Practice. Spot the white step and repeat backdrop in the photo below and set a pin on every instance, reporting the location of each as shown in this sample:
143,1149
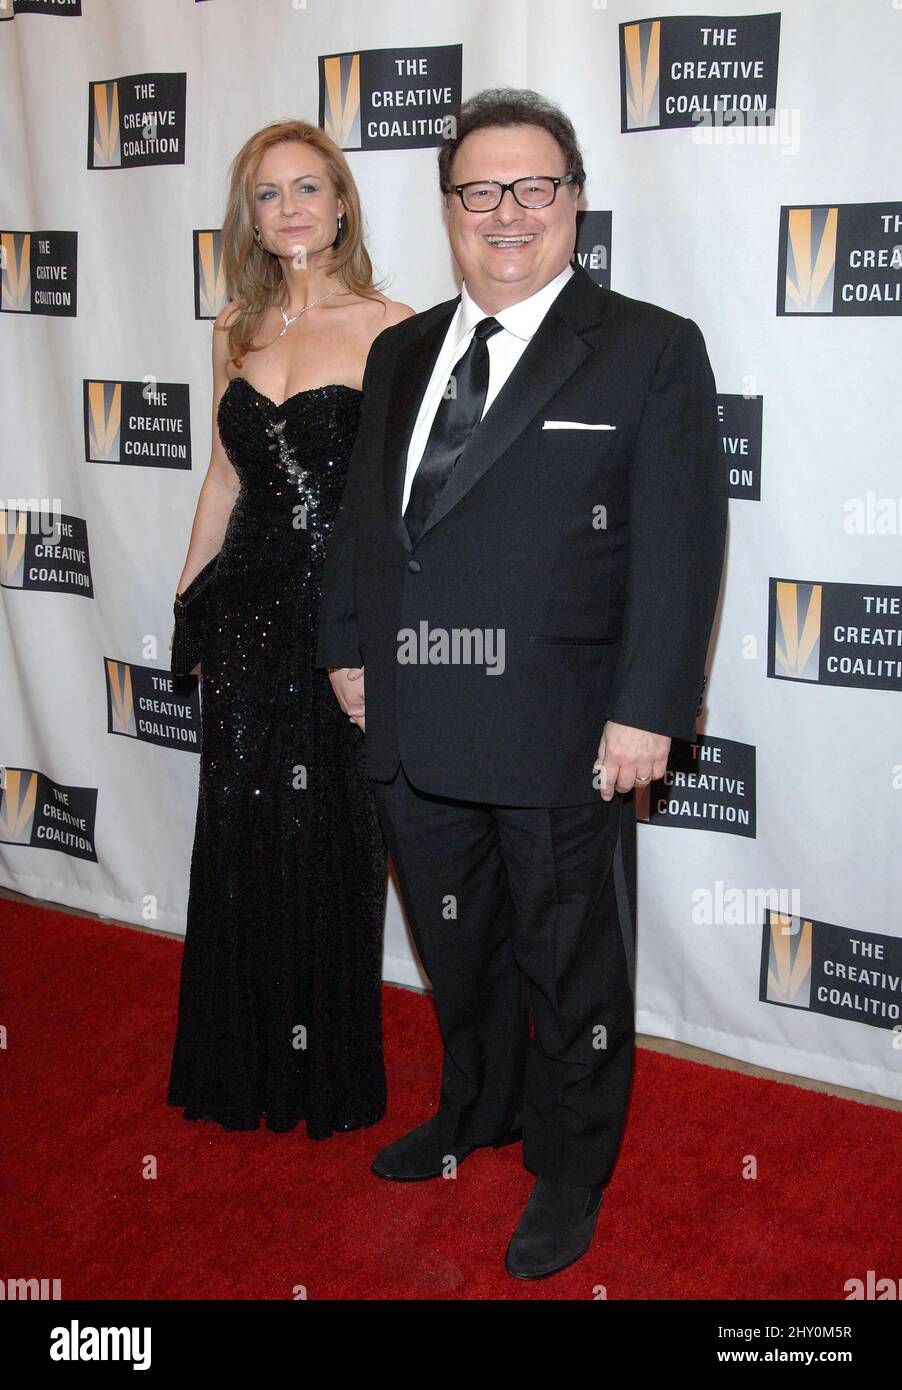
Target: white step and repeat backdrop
743,171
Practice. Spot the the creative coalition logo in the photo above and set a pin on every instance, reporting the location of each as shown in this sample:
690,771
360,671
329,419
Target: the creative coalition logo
593,245
679,71
831,970
61,9
138,120
138,422
844,260
39,273
740,419
39,554
835,634
46,815
708,785
210,293
151,705
390,98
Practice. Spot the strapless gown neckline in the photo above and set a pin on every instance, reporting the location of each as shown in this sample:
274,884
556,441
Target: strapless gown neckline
295,395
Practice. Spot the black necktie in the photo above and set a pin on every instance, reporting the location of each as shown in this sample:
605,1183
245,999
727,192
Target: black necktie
459,412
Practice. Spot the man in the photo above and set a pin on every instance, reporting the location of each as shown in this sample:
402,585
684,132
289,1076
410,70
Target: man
526,563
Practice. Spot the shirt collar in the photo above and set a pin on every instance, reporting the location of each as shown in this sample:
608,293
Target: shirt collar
521,319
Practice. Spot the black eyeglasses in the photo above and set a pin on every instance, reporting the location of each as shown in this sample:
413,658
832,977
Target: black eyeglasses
484,195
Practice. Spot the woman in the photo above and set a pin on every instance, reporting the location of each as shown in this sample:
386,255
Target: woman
279,1005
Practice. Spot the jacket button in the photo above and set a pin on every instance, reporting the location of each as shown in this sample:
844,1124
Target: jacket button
414,566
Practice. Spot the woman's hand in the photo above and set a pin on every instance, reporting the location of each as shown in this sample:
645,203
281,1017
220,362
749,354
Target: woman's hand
347,682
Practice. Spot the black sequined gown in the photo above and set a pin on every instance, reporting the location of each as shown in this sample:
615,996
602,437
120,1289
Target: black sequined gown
279,1002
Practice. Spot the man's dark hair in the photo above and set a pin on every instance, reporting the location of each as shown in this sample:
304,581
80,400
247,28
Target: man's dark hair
505,106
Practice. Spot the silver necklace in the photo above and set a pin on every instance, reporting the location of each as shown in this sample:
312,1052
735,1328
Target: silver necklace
295,317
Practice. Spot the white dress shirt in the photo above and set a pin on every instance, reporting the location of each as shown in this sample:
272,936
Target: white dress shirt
518,323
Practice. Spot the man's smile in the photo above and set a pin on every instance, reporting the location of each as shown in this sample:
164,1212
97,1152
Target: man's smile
520,239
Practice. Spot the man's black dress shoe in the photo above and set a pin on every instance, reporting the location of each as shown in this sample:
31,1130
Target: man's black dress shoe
555,1229
423,1154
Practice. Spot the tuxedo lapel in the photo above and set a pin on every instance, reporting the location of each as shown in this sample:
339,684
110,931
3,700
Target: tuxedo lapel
413,368
551,356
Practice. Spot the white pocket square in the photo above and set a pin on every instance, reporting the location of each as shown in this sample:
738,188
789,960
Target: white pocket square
573,425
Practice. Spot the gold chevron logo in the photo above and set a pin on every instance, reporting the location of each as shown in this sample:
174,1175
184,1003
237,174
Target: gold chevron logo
810,265
104,420
211,290
17,810
12,548
342,109
789,967
643,104
15,275
798,630
122,703
105,131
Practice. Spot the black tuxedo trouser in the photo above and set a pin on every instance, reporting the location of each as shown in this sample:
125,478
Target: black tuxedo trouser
519,912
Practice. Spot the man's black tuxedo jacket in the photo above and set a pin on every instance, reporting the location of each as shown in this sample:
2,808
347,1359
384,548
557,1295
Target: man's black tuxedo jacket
597,553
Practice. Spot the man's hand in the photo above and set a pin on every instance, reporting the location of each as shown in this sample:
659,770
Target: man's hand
347,682
629,757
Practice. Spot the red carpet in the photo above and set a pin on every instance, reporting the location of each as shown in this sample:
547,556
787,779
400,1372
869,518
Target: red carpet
90,1011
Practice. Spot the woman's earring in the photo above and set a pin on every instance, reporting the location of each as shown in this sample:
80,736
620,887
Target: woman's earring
257,237
340,231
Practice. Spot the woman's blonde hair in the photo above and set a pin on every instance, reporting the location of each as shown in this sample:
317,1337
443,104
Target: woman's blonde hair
253,275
